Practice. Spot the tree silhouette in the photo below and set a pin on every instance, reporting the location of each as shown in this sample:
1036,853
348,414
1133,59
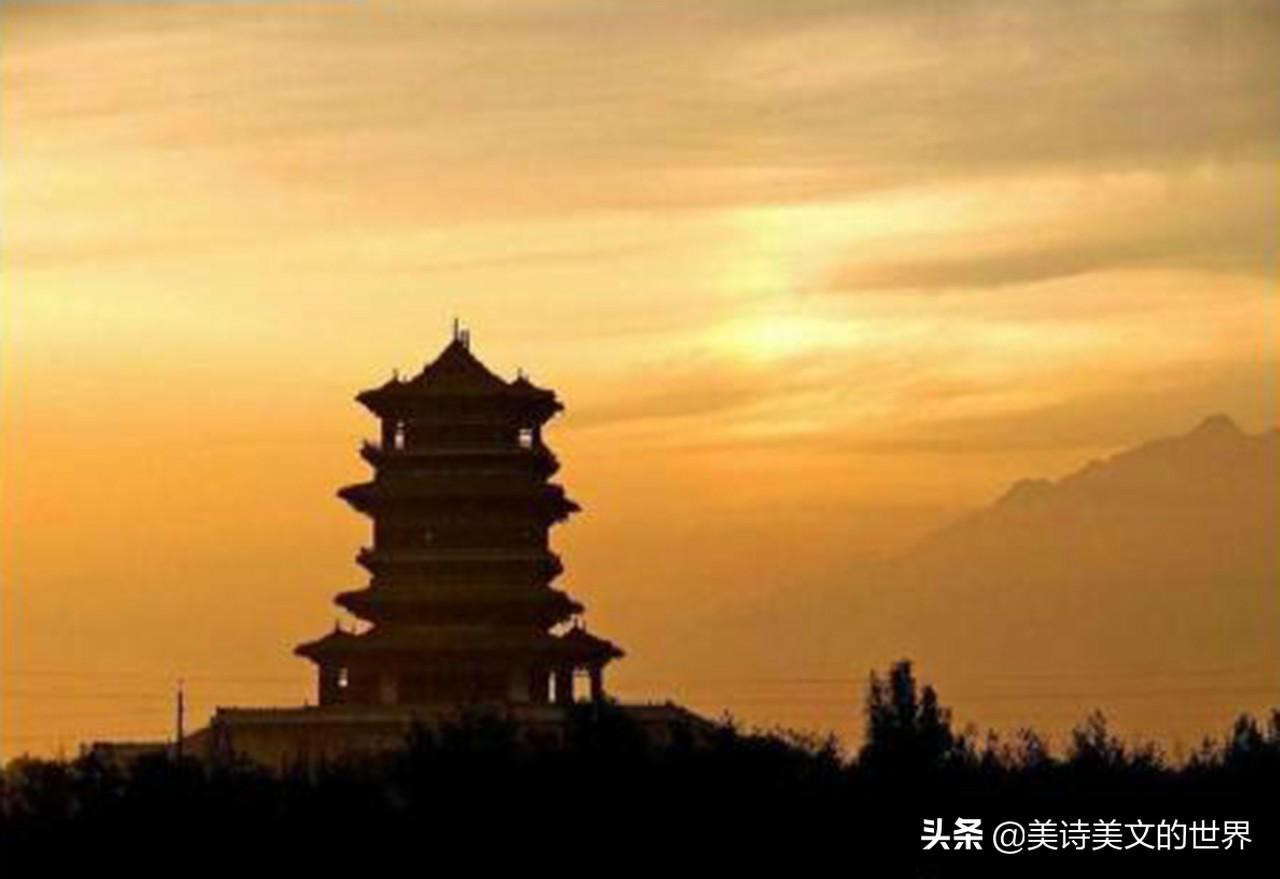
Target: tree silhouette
608,781
907,730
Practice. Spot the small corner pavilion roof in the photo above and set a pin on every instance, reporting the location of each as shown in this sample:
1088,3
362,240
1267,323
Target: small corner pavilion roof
524,386
337,640
576,645
579,641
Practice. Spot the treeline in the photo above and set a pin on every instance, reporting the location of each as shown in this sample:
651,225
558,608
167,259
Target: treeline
477,790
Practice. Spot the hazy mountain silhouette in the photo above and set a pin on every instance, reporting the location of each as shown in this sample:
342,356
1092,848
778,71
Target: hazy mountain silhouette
1154,568
1160,556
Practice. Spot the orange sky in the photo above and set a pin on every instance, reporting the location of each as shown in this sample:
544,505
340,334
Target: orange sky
812,278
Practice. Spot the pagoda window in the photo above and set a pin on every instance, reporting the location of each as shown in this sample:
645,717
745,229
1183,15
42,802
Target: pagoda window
580,690
397,435
344,678
525,437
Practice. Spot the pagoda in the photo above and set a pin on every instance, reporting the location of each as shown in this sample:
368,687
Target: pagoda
459,605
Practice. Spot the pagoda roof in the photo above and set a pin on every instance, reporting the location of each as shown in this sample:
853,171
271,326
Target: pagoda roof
576,645
335,641
465,485
456,372
449,595
524,386
429,639
580,641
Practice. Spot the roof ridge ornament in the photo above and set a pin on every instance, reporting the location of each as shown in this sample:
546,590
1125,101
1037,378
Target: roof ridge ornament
461,334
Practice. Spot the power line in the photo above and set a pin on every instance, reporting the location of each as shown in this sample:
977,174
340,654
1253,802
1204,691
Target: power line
61,735
153,676
1004,676
28,716
1115,674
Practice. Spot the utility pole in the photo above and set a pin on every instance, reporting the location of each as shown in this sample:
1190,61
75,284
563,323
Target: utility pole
177,745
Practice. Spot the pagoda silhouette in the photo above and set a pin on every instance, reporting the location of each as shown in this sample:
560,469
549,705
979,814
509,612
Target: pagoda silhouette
461,616
460,597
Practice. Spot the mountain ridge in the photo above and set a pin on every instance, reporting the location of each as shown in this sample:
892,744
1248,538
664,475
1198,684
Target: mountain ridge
1212,464
1151,564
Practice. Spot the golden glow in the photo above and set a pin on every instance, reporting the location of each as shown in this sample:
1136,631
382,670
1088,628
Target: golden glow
810,285
775,338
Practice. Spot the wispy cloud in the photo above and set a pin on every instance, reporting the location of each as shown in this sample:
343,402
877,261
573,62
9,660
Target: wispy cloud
1211,219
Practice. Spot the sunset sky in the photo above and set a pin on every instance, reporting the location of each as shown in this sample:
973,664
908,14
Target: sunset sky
812,279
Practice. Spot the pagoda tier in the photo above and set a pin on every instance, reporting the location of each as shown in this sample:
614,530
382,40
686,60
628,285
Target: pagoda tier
407,664
467,565
460,596
540,461
452,603
479,496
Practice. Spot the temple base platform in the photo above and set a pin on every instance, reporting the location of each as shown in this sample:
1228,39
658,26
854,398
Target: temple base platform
287,738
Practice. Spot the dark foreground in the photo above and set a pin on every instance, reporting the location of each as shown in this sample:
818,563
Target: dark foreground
472,797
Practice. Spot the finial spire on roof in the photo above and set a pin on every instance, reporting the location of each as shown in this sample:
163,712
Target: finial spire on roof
461,334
